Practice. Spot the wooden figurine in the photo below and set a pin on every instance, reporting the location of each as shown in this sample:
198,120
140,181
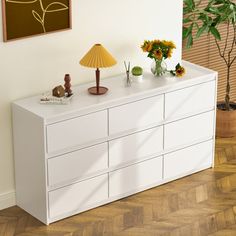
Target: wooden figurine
67,85
58,91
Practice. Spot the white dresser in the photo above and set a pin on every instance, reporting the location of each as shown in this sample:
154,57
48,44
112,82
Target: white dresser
71,158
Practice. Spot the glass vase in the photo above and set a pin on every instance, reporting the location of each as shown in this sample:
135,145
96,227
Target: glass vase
158,67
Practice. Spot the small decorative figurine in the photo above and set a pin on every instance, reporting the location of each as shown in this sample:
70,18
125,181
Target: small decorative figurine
127,69
67,85
58,91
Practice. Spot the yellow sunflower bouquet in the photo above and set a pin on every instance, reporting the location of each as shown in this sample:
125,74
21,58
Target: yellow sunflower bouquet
159,50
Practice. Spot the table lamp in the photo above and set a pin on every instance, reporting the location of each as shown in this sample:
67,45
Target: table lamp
98,57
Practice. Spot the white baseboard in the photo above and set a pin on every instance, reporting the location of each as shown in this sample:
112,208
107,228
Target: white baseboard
7,200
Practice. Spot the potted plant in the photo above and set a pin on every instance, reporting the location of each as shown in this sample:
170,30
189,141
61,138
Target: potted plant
197,21
137,73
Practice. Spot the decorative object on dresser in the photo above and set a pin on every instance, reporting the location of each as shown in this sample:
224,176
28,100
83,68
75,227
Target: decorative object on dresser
137,73
59,95
208,20
159,51
28,18
127,72
179,70
58,91
48,98
98,57
67,85
95,151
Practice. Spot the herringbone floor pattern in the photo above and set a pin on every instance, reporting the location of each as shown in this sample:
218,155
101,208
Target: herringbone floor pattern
197,205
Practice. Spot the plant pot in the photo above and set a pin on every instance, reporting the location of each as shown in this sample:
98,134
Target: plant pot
138,78
226,122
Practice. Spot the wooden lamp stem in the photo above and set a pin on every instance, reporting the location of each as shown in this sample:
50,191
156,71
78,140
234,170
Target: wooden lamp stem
97,79
97,90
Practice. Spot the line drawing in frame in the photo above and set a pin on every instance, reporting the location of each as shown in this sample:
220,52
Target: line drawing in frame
27,13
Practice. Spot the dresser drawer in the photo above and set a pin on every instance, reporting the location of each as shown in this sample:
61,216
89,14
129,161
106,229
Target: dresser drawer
134,178
136,115
78,197
78,131
189,130
188,160
77,165
136,146
190,100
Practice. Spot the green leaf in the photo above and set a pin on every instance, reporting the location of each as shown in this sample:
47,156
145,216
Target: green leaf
196,25
222,8
218,2
190,4
186,10
190,29
186,20
201,31
185,32
177,66
193,4
215,33
216,21
213,10
204,17
189,41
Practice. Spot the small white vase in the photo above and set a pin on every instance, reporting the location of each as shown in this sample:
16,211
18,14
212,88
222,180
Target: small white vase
137,78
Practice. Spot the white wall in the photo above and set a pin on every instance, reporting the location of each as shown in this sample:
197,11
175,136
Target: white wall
31,66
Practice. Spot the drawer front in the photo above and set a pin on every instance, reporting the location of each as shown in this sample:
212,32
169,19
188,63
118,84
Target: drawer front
77,131
136,146
136,115
188,160
77,165
133,178
189,130
190,100
78,196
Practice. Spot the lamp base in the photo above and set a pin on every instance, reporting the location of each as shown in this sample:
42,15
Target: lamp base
100,91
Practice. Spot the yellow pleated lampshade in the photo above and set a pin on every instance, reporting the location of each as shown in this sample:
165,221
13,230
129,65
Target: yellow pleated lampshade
98,57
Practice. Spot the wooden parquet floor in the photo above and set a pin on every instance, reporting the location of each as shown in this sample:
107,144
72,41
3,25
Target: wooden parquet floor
197,205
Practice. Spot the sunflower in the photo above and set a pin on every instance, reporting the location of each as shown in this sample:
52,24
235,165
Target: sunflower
156,41
180,71
158,54
169,53
169,44
147,46
144,46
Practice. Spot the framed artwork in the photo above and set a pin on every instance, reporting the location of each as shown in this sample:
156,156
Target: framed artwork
24,18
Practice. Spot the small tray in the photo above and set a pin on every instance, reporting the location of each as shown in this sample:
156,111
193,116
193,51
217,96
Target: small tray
47,98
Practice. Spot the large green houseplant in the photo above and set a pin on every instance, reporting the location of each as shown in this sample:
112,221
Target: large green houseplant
199,20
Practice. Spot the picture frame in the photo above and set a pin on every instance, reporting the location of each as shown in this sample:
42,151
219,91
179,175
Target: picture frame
27,18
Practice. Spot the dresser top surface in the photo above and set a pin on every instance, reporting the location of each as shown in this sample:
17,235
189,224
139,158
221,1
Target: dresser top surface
118,92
